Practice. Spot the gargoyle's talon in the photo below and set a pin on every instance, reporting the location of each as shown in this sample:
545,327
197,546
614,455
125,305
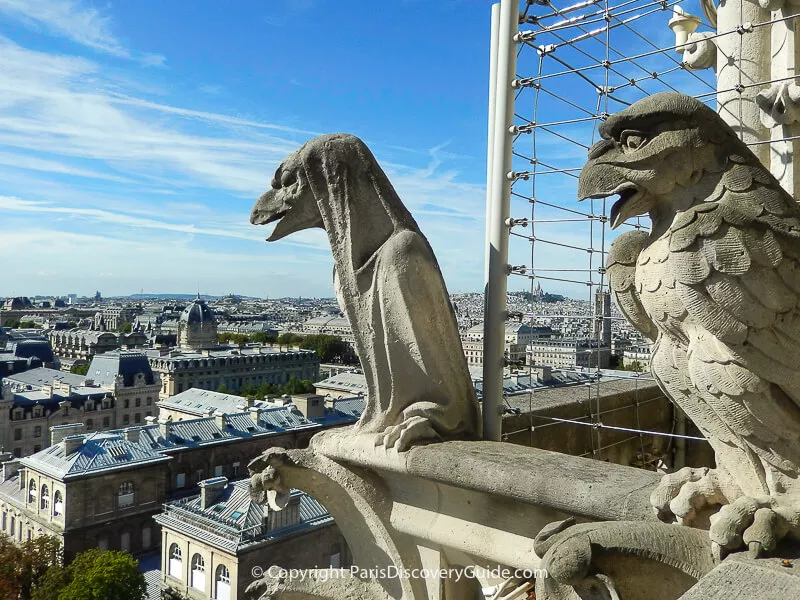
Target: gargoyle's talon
754,549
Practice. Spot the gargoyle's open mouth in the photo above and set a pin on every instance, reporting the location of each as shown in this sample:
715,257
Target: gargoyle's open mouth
272,218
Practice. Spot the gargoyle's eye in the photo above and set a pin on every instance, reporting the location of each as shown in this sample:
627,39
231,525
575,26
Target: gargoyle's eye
288,178
632,140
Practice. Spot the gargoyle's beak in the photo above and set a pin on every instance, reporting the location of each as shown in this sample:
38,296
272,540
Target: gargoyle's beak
599,179
268,209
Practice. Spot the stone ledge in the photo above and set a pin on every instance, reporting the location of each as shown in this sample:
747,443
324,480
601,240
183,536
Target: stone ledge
582,487
740,576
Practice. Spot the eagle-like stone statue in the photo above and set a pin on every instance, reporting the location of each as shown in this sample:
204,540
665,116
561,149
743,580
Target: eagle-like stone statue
715,285
387,282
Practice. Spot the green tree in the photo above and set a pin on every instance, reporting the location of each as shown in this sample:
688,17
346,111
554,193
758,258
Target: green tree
11,323
125,327
223,389
102,575
79,368
27,325
329,348
10,576
25,569
296,386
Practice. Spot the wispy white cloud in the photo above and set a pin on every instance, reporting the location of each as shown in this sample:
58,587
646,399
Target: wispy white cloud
67,118
76,21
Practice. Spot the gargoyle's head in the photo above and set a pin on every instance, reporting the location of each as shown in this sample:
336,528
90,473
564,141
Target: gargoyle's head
290,200
656,154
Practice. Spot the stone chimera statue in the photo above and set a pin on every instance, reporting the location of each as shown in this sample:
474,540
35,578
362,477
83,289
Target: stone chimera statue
389,285
715,285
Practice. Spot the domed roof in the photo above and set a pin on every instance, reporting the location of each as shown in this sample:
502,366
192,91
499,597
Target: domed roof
197,312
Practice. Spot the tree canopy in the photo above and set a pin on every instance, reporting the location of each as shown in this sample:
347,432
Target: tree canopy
79,368
35,570
101,575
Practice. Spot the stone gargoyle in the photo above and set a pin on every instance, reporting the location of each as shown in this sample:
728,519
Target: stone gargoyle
715,285
389,286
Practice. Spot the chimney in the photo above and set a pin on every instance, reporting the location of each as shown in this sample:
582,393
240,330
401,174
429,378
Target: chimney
210,490
311,405
163,427
131,434
59,432
544,374
65,406
255,413
250,402
10,468
221,419
72,443
150,420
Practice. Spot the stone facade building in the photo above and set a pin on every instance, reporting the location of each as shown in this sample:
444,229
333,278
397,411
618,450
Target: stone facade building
211,542
103,488
83,344
568,353
230,367
119,390
197,327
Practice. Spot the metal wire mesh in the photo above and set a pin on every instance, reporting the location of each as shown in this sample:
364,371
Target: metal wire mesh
576,64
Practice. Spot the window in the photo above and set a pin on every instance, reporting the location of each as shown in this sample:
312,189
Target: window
218,470
37,448
175,567
89,424
13,526
138,402
126,494
18,452
126,419
180,480
32,491
106,422
125,541
127,403
198,579
235,469
223,583
149,401
44,501
137,418
37,431
58,504
5,521
200,475
146,538
17,434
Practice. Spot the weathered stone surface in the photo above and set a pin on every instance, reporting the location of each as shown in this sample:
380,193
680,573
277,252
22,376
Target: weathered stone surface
716,286
740,576
621,560
388,284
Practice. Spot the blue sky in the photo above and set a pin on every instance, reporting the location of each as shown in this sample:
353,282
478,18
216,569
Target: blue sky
135,136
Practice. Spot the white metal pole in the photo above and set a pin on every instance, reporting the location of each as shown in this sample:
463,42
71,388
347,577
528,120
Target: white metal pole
500,208
495,26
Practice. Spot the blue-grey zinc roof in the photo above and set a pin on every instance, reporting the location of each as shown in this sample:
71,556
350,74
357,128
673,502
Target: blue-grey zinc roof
100,451
234,521
96,454
200,402
37,378
105,367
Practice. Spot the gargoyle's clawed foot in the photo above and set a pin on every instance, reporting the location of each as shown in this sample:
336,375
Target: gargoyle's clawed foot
758,523
681,495
410,432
